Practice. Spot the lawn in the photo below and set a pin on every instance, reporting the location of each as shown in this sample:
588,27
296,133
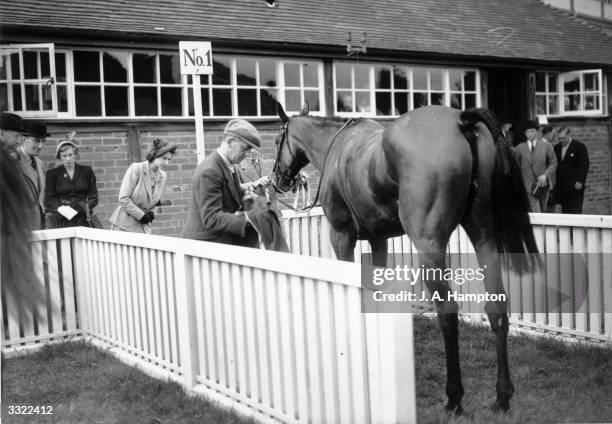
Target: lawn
554,382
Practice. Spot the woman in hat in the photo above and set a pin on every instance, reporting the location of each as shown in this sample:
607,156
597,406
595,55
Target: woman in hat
141,190
71,185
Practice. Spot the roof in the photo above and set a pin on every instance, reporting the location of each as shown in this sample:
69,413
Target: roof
525,30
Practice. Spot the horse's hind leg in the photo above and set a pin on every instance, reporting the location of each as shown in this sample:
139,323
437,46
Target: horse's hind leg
479,229
343,243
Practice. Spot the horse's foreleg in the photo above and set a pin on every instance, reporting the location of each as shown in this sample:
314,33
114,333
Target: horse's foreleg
343,243
379,252
488,259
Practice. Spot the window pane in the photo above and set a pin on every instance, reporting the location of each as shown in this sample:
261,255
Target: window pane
221,71
591,102
363,102
4,63
88,101
401,103
205,103
436,80
3,97
552,83
144,68
15,66
553,104
572,102
222,102
267,99
383,103
312,97
437,99
540,82
245,72
540,105
62,98
419,79
362,76
455,81
470,101
267,73
469,81
172,102
345,101
455,101
382,78
116,101
400,78
343,75
86,66
293,100
247,102
45,66
292,75
571,83
591,82
47,99
311,75
30,64
419,99
169,69
32,100
17,105
60,67
115,66
145,101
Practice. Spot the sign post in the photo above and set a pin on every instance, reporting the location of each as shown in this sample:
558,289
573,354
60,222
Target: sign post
196,60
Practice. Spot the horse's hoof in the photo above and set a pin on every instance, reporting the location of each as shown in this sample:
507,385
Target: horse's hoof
455,409
501,406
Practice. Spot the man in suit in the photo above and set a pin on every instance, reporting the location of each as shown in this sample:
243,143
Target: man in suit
538,164
573,160
31,167
215,210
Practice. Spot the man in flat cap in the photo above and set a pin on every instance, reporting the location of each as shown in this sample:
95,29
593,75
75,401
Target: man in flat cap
215,209
538,163
32,169
11,129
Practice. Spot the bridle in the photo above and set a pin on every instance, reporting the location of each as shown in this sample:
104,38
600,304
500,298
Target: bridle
287,174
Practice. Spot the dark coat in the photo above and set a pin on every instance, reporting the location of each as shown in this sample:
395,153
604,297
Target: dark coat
61,190
215,197
573,168
35,186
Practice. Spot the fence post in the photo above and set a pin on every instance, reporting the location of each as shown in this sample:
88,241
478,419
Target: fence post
80,284
390,360
188,344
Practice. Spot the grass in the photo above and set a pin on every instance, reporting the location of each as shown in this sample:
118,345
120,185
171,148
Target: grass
554,382
87,385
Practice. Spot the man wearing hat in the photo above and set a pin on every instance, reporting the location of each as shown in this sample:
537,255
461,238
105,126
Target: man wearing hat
31,167
538,163
215,209
11,128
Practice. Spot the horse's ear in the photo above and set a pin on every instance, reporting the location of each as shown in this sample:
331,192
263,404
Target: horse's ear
281,113
305,109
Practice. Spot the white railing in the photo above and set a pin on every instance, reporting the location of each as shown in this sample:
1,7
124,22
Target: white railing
277,336
577,251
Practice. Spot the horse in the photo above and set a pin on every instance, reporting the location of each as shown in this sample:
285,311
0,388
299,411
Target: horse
425,173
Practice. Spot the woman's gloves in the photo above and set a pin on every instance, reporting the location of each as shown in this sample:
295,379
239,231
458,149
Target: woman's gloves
147,218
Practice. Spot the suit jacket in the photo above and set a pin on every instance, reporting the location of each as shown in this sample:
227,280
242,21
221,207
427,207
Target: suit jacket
541,162
61,190
572,168
215,197
136,197
35,189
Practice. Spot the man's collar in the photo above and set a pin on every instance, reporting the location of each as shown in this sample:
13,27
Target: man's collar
225,159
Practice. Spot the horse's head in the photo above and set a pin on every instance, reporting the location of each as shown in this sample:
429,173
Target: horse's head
290,156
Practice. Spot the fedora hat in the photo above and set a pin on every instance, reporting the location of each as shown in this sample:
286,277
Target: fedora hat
243,130
531,124
35,128
11,122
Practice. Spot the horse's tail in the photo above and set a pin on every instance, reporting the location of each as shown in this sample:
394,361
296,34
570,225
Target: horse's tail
512,228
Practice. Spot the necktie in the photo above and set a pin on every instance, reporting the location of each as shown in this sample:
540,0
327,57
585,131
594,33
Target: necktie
531,146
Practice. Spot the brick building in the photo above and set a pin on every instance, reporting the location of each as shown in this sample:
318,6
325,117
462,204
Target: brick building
109,71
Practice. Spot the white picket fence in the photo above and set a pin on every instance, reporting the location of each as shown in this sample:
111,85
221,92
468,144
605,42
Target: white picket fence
276,336
577,250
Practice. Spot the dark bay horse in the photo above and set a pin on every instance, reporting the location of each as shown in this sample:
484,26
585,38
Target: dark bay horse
424,174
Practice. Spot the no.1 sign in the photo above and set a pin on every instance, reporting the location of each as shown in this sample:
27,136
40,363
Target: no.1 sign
196,57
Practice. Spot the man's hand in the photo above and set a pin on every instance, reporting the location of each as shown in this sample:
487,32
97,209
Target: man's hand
542,181
265,180
578,185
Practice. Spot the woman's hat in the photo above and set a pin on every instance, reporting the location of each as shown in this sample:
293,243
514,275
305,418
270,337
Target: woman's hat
160,148
64,144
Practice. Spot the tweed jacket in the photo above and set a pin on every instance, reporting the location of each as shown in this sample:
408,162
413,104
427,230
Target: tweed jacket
137,196
541,162
215,197
35,189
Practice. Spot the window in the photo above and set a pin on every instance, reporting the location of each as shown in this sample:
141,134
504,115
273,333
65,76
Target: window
27,77
570,93
391,90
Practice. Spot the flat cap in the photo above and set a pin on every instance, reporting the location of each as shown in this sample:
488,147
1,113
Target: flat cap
11,122
243,130
531,125
35,128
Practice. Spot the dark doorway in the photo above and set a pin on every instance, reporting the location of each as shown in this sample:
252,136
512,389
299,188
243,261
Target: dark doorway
507,97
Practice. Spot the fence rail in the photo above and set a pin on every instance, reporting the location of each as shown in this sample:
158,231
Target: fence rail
577,250
278,336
